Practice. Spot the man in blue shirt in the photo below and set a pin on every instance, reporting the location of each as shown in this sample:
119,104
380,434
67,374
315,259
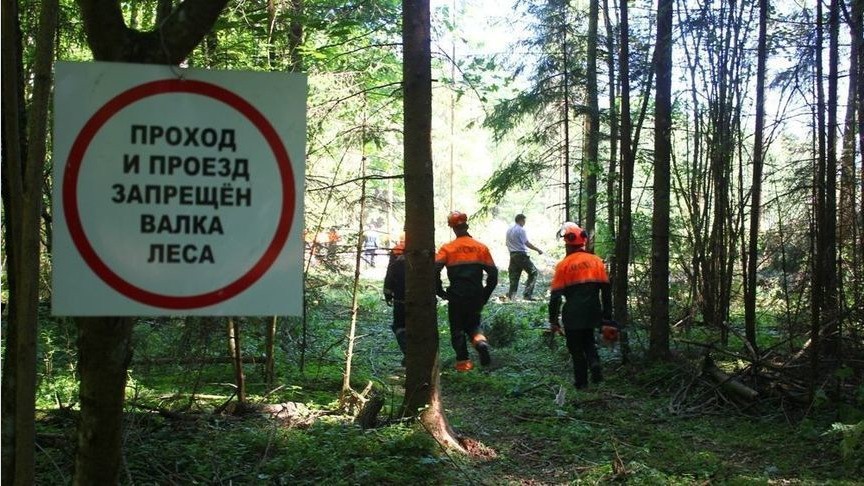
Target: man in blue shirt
518,244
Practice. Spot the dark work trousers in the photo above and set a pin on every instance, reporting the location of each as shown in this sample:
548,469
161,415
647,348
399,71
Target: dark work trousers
583,350
398,326
464,317
519,262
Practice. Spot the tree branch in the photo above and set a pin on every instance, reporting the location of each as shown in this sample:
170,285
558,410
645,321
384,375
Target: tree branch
171,42
357,179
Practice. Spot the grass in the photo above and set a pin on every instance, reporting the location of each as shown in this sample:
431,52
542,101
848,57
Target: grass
637,426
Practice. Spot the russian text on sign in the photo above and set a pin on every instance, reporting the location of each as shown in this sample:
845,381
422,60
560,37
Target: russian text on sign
181,224
213,196
176,253
185,136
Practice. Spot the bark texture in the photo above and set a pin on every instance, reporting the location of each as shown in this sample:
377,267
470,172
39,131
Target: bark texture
104,353
422,384
591,163
756,191
104,343
659,341
23,159
111,39
625,218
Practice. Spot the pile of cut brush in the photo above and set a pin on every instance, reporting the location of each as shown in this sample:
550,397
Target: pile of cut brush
765,381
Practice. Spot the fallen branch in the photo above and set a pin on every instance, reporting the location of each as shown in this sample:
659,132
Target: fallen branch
727,382
164,412
196,360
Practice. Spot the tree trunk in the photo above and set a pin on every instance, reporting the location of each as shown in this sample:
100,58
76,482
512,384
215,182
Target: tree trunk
163,10
295,36
818,282
270,353
237,358
611,186
756,188
622,242
104,353
232,343
724,59
565,76
858,39
832,314
659,342
422,382
104,342
272,12
591,162
111,40
347,394
846,230
23,160
694,187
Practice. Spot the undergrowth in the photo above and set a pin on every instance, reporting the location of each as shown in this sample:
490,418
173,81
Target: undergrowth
647,423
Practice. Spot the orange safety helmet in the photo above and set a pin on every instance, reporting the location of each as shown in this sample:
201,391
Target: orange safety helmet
457,218
573,234
399,247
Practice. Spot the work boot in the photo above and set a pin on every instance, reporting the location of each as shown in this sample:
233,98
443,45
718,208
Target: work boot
464,366
596,374
483,350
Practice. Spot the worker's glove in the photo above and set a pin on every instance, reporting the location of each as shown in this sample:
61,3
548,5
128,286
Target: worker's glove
555,328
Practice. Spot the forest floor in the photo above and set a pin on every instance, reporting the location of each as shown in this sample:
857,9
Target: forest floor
526,424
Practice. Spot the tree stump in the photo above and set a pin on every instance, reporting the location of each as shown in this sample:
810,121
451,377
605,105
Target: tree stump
368,416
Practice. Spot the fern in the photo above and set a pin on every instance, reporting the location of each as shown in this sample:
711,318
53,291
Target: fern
851,444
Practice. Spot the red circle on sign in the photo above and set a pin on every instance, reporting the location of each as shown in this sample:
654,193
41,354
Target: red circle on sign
73,169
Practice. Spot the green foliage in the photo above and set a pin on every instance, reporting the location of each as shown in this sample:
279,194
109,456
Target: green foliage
520,173
511,408
325,453
505,325
604,245
260,453
851,445
352,56
534,115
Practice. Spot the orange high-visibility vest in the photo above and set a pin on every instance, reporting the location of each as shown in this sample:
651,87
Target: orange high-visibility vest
466,260
578,268
581,279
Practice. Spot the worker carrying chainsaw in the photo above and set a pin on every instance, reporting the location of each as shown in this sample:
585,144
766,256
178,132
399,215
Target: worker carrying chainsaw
466,260
394,293
581,280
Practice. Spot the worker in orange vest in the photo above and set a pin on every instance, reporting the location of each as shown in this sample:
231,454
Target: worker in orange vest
394,294
466,260
332,242
581,280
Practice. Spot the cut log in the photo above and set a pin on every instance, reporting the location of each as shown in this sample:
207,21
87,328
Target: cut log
291,414
728,383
